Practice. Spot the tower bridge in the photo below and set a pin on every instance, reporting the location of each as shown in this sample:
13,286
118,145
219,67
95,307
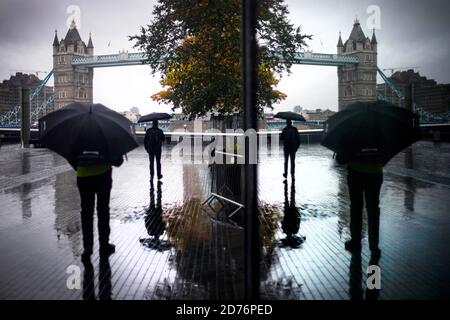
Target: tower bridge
74,62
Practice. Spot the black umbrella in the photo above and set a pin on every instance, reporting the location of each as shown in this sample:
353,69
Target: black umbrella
374,131
87,131
290,116
155,116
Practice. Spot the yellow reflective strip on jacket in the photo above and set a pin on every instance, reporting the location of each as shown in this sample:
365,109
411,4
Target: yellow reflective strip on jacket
374,168
92,170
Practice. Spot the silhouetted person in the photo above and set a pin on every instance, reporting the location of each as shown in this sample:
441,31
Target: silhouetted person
364,179
94,179
291,220
154,137
291,143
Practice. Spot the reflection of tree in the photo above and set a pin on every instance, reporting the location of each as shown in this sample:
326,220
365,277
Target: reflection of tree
209,255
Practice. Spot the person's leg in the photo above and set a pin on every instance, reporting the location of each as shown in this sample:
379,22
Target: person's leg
104,184
356,208
292,155
372,197
286,159
87,196
152,165
158,163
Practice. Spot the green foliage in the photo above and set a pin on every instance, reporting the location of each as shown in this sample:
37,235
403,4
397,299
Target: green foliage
195,45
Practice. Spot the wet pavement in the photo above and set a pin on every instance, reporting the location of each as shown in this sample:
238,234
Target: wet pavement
169,245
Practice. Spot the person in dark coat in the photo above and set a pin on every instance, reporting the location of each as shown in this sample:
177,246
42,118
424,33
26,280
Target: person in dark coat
364,181
291,142
154,137
94,179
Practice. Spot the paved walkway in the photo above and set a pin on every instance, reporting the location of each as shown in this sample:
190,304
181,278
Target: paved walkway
198,257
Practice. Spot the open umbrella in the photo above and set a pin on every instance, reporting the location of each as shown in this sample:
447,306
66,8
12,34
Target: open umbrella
87,131
290,116
154,116
371,130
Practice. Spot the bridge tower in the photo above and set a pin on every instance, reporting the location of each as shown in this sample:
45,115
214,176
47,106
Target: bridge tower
357,83
72,84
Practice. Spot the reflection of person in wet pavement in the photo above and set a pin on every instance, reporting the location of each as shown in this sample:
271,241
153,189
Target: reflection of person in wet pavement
104,279
355,277
356,280
291,220
153,221
95,179
291,143
364,181
154,137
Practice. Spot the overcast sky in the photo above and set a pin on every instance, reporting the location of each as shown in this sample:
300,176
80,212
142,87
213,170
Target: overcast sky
412,34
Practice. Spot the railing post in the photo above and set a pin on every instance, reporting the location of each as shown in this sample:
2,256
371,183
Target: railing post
249,79
25,117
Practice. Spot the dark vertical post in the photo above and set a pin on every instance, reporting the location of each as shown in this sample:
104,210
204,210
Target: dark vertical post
25,118
249,79
409,97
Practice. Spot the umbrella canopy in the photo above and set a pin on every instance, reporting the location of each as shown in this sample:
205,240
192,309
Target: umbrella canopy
374,131
154,116
290,116
87,131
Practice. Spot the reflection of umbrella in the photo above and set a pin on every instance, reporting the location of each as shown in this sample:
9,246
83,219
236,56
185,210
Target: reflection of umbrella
371,130
290,116
154,116
87,131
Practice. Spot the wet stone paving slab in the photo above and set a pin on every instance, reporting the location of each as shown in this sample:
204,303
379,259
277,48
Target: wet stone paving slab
171,245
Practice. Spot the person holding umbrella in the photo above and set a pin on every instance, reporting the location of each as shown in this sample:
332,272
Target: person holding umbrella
291,140
365,136
94,179
364,179
154,137
92,138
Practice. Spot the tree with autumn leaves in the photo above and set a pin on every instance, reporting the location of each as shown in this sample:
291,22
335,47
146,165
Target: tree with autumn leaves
195,46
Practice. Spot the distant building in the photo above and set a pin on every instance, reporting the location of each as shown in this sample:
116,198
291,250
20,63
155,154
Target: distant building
72,84
427,94
317,114
135,110
10,94
297,109
133,117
